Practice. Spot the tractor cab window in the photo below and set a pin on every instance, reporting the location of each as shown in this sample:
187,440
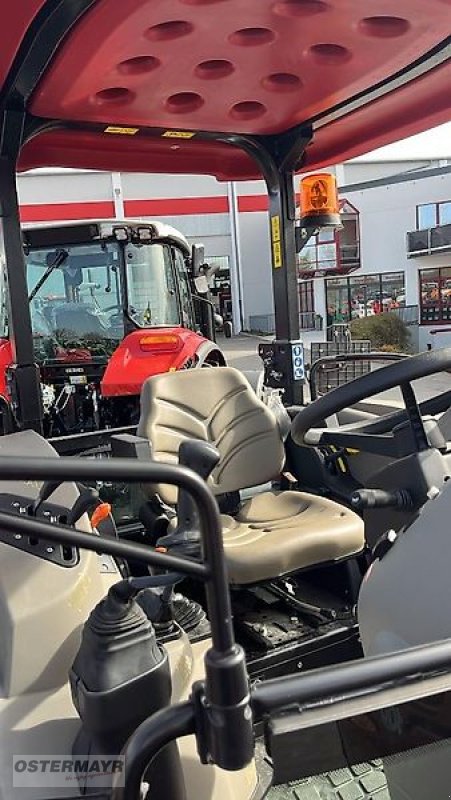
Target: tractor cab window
75,298
186,302
151,289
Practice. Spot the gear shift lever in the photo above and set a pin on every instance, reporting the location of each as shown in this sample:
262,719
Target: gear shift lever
47,489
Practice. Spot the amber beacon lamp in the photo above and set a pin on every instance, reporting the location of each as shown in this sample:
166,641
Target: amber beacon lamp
319,204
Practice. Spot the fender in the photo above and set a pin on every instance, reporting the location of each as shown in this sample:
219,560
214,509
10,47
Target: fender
148,352
209,351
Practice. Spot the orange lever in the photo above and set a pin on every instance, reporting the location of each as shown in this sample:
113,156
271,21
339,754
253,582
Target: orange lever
100,513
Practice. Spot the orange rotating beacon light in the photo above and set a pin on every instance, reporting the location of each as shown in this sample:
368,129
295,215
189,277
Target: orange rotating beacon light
319,204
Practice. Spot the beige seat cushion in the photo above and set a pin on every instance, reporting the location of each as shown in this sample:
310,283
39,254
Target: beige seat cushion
275,533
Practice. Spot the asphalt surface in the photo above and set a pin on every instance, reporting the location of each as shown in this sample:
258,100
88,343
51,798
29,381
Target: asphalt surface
242,353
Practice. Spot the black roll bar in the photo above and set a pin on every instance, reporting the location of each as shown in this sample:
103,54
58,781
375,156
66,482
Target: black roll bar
354,677
148,740
282,695
30,526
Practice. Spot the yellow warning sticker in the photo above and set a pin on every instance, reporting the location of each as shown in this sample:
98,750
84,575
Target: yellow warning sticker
275,228
276,255
178,134
120,130
275,238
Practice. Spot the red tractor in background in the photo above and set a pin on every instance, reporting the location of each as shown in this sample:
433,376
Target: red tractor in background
111,303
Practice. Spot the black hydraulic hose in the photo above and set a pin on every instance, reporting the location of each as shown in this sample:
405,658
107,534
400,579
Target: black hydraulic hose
127,470
279,694
146,742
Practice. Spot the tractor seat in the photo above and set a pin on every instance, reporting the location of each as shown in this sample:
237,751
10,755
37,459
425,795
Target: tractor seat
273,533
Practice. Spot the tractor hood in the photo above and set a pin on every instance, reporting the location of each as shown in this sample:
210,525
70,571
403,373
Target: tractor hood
166,85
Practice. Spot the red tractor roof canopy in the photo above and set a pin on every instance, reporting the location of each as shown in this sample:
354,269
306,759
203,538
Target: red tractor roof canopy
147,85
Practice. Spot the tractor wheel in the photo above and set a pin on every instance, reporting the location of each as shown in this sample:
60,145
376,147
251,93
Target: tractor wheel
214,359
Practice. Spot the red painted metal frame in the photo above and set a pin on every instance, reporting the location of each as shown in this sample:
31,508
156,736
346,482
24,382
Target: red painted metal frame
259,67
221,65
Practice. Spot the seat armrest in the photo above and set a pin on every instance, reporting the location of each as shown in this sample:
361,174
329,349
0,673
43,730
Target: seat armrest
128,445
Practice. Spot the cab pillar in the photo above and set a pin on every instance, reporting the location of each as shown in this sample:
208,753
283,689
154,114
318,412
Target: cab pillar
279,156
24,376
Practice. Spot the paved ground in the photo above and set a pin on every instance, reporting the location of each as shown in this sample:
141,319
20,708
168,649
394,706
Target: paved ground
241,352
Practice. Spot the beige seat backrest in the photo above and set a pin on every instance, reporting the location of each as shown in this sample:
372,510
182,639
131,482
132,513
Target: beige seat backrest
216,405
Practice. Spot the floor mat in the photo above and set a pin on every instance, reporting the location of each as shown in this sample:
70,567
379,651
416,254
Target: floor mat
360,782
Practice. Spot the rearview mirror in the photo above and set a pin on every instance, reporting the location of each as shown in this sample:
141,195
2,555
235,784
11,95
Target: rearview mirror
197,258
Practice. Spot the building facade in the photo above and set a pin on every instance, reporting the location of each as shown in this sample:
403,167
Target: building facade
393,251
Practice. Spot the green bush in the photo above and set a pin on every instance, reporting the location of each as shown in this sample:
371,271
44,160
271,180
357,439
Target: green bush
386,332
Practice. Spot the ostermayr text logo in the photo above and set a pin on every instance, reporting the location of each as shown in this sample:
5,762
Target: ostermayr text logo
50,771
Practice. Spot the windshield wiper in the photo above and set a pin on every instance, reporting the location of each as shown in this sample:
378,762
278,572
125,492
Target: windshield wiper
60,258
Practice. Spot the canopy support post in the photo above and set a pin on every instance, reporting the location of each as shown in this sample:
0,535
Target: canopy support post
279,156
24,375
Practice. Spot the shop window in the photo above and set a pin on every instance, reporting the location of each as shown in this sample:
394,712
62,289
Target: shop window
308,320
306,297
338,302
435,295
363,296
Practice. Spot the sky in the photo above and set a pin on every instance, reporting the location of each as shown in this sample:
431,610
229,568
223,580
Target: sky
435,143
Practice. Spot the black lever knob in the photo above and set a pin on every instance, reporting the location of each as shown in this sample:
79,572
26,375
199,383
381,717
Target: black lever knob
198,455
202,458
380,498
88,499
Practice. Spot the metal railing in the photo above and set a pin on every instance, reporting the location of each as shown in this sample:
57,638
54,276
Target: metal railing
335,363
266,323
338,332
429,240
408,314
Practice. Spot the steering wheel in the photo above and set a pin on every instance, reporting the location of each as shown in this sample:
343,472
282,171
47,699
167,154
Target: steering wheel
377,437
